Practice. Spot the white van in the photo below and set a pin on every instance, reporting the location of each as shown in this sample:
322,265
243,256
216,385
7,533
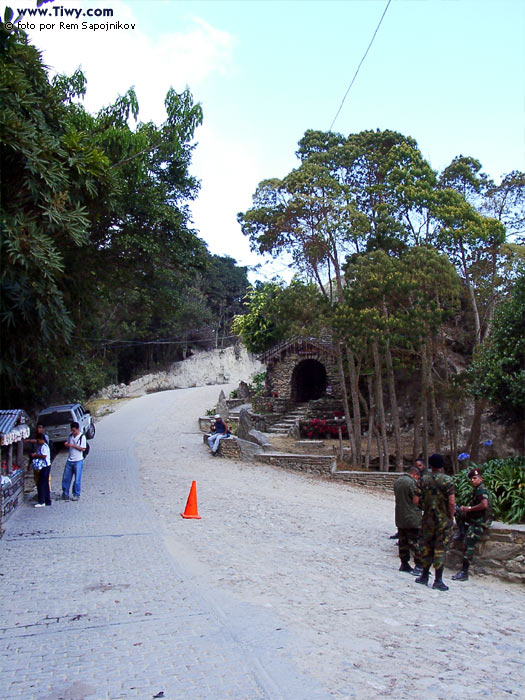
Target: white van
57,421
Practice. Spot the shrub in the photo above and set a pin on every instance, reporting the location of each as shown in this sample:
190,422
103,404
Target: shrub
257,383
505,479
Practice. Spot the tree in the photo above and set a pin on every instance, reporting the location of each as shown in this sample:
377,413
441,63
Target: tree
349,195
497,373
42,168
276,312
96,236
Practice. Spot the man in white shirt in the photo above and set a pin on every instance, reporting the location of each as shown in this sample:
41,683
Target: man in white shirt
42,464
73,467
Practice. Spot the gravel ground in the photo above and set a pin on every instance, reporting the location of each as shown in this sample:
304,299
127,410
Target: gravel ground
318,554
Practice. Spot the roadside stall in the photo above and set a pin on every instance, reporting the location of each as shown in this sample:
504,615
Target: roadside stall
14,429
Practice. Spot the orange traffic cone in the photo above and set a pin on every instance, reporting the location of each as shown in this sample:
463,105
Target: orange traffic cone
191,505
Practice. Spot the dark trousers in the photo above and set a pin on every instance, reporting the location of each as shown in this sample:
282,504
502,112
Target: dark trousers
408,542
42,487
472,531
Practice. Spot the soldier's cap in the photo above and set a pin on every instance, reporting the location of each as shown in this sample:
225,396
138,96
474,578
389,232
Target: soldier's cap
436,461
474,472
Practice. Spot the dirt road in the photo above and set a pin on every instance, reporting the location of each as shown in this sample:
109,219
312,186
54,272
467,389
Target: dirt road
318,555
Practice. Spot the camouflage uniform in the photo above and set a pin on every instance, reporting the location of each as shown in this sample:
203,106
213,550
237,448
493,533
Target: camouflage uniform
408,518
434,491
478,522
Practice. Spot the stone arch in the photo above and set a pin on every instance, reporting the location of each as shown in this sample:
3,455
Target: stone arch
309,381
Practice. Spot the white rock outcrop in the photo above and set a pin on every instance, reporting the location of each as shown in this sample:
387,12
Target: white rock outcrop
203,368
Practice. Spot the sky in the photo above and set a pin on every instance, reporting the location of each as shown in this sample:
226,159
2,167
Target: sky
449,73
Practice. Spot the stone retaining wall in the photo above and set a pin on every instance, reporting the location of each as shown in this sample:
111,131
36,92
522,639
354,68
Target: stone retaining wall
228,447
311,464
373,480
501,553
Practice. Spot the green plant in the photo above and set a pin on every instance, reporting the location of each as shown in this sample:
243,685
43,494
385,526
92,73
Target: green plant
256,386
505,479
211,411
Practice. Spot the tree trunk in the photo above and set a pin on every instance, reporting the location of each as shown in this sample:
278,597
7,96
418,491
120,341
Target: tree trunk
416,450
354,393
380,407
346,406
436,428
475,431
452,425
371,417
425,430
394,408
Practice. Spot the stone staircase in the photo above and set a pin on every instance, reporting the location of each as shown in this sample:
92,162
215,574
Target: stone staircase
283,426
233,413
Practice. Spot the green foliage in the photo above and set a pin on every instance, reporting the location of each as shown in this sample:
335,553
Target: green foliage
505,479
276,312
99,261
400,298
257,383
498,370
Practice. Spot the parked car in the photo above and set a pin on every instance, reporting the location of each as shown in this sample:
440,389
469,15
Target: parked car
57,420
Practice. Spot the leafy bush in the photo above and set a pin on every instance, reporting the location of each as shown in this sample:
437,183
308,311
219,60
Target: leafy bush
505,479
257,383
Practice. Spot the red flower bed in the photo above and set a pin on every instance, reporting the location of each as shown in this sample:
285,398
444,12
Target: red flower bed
318,428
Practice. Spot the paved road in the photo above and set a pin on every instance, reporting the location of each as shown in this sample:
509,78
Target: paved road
95,607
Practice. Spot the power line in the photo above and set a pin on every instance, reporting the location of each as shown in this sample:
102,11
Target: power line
360,64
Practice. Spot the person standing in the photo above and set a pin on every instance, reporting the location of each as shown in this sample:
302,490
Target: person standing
473,520
42,465
220,431
437,495
421,466
408,518
40,430
75,461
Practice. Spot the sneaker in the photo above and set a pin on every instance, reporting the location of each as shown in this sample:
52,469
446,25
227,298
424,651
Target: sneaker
39,505
462,575
417,571
65,497
76,498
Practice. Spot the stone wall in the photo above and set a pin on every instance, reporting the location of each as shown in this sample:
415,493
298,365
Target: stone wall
373,480
311,464
228,447
279,378
501,553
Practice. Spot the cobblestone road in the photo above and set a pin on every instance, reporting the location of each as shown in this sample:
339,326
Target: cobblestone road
94,607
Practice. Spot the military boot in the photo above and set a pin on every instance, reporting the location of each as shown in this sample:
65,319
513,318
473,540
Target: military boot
462,574
438,581
423,578
405,566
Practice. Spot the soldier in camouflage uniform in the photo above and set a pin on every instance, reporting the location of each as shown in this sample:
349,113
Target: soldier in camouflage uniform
408,518
437,494
473,520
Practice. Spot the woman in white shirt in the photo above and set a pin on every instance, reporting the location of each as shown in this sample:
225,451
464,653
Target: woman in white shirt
42,463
